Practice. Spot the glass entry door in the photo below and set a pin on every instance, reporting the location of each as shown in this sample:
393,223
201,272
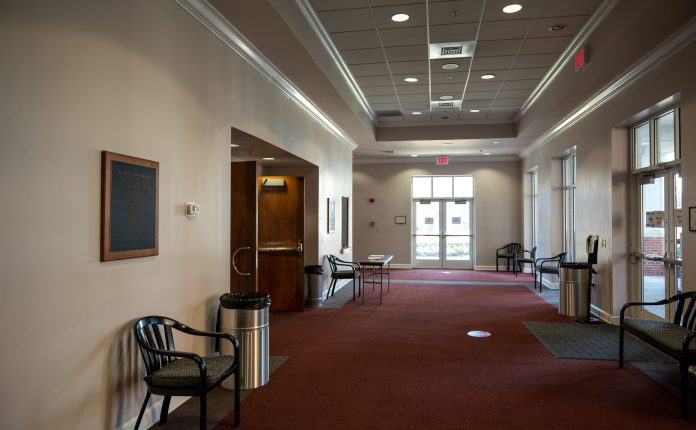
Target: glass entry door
443,234
659,259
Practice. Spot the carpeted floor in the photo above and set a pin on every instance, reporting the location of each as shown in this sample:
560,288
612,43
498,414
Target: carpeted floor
592,342
409,364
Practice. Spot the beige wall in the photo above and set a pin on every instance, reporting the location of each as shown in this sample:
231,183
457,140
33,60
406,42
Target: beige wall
147,80
497,208
603,184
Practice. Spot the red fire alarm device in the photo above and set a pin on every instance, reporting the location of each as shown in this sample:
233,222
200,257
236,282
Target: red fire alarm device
372,199
581,58
441,161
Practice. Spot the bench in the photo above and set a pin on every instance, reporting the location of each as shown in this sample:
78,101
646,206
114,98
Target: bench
672,338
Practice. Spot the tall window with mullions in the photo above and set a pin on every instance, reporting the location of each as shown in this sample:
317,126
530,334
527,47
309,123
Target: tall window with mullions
569,206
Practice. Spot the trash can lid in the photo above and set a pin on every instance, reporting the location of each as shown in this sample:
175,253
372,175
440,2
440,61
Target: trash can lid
314,269
575,265
245,300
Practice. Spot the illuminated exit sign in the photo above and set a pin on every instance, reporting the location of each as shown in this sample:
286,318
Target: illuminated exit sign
581,59
441,161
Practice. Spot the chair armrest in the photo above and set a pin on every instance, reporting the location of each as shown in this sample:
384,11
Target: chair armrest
659,302
351,264
192,331
686,343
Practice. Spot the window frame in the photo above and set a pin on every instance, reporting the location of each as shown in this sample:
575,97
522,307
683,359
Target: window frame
653,136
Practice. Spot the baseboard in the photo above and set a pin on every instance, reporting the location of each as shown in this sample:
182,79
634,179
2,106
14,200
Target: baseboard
400,266
152,412
604,316
489,268
551,285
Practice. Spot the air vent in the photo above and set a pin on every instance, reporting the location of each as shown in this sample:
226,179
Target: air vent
389,113
451,49
449,104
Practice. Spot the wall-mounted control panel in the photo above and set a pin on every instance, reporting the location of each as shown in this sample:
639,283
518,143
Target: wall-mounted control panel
192,209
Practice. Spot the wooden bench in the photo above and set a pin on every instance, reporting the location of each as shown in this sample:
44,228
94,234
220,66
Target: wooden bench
673,338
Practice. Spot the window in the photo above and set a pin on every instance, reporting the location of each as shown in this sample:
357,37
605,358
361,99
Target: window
442,187
345,213
656,141
533,195
569,164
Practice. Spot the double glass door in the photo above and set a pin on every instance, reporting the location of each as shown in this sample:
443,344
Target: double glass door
659,258
442,236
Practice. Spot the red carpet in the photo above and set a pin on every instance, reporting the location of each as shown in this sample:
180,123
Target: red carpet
409,364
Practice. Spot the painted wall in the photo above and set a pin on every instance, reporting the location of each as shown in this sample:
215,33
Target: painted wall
497,213
603,178
147,80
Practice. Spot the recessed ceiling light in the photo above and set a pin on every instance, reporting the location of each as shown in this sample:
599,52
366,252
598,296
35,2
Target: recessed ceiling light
268,158
399,17
488,76
557,27
475,110
496,142
450,66
234,145
416,113
411,79
414,155
512,8
486,153
446,97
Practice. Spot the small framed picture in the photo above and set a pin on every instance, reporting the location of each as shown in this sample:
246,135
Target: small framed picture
400,219
692,218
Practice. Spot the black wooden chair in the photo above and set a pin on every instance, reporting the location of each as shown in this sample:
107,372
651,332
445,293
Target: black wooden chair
676,339
508,253
550,265
176,373
343,270
521,260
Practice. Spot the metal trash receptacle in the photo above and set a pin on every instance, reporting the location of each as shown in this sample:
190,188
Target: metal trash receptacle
574,284
315,285
245,316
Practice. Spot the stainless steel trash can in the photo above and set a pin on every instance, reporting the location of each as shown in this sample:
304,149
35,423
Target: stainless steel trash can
574,284
245,316
315,285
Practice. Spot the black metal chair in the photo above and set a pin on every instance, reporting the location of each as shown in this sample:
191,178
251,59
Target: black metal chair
521,260
550,265
343,270
507,252
176,373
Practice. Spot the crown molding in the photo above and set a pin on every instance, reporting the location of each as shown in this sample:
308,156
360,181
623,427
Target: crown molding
567,55
211,19
432,159
669,47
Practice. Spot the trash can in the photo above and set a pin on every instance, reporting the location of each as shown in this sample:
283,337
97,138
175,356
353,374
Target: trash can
315,284
574,290
245,316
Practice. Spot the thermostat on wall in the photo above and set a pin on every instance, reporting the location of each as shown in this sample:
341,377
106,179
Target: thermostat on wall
192,209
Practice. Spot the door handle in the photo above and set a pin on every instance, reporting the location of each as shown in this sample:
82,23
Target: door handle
234,260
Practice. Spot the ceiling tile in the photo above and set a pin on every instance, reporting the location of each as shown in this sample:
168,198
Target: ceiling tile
411,98
391,119
504,109
377,3
456,95
479,104
512,94
376,69
449,78
408,67
320,5
473,115
520,84
373,81
362,56
424,116
356,39
382,99
545,45
422,79
412,89
480,95
497,30
407,53
499,115
379,107
536,73
494,10
378,91
491,48
453,33
499,75
508,102
573,23
448,88
492,63
416,12
403,36
483,86
537,60
436,65
347,20
568,7
453,12
415,106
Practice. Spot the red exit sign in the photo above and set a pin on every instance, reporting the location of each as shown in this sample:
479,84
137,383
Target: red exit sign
441,161
581,59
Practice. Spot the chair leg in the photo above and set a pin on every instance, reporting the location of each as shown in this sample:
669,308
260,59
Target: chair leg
541,280
331,284
203,410
353,289
165,410
496,263
142,410
237,395
684,369
621,346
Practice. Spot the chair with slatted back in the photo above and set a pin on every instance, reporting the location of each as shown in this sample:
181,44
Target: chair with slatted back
550,265
177,373
524,257
508,253
341,269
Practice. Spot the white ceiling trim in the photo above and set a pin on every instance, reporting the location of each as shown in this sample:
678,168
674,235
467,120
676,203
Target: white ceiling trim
334,54
568,54
227,33
676,42
433,159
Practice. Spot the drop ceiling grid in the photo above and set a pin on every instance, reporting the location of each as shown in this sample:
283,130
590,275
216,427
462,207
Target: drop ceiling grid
517,48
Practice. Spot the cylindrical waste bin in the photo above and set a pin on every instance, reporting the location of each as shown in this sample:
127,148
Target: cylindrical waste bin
245,316
574,290
315,283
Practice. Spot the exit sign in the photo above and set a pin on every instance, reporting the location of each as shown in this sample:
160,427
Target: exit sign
441,161
581,59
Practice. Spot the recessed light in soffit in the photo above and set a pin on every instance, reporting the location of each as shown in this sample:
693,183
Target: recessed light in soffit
446,97
450,66
411,79
488,76
512,8
399,17
451,50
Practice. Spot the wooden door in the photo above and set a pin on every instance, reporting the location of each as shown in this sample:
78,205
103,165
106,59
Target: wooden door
243,273
281,229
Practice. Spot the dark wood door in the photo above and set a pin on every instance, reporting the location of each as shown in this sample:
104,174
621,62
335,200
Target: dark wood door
281,229
243,273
